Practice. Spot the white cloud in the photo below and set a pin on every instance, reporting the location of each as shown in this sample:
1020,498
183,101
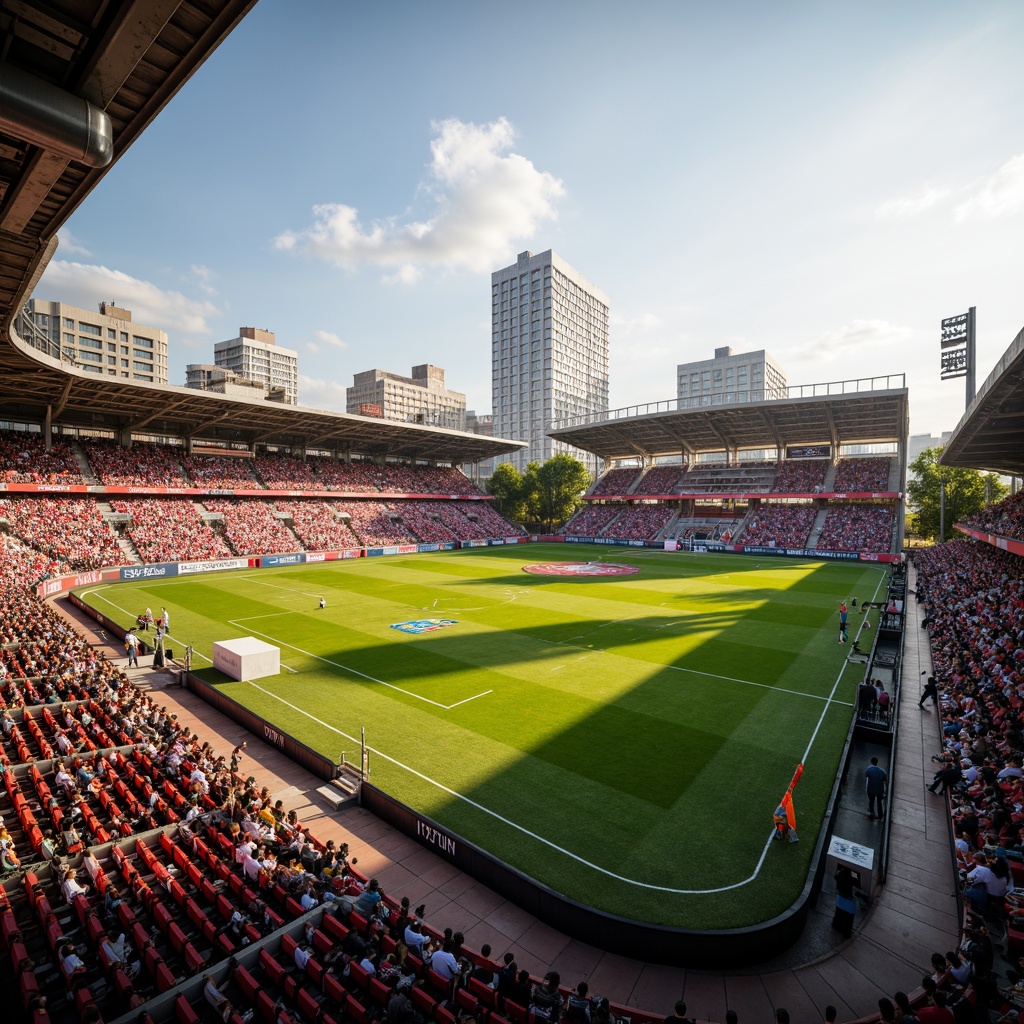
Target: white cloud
484,197
70,245
316,393
86,285
204,278
850,343
911,206
1000,195
325,338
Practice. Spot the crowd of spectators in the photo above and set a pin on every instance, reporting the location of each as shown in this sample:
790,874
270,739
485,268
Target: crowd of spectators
781,526
639,522
356,477
69,530
170,530
1005,518
282,472
221,472
375,525
972,599
25,460
870,473
317,525
145,464
661,480
591,520
801,476
857,527
616,481
252,528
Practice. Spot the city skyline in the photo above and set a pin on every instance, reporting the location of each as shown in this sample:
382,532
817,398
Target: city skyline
822,183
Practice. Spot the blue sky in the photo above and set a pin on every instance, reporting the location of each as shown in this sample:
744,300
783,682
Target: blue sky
823,180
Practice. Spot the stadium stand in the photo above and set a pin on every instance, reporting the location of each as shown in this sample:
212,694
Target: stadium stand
25,460
863,474
639,522
251,527
779,525
615,481
1004,519
145,464
708,478
857,527
973,599
170,529
220,472
802,476
591,520
70,530
661,480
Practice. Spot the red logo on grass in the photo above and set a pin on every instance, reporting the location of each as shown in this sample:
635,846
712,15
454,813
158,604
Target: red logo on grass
580,569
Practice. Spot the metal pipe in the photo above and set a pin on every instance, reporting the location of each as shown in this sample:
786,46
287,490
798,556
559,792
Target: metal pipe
54,120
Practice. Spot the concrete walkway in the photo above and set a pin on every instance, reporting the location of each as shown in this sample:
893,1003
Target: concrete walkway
911,916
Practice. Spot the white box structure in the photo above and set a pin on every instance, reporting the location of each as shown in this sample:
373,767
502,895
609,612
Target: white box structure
246,658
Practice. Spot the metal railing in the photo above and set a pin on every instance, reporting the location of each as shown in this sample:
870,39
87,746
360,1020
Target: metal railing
827,389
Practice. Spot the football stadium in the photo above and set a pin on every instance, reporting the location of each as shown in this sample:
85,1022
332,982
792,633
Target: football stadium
297,727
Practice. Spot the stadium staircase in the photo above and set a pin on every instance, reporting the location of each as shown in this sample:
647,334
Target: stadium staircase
668,530
829,484
88,474
819,521
114,520
894,475
344,790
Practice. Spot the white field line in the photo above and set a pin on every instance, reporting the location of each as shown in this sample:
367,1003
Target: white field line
560,849
697,671
170,636
353,671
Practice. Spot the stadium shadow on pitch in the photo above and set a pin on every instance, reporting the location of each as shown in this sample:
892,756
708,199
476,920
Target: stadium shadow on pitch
680,711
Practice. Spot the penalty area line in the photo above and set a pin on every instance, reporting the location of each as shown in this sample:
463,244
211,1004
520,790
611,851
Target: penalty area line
520,828
362,675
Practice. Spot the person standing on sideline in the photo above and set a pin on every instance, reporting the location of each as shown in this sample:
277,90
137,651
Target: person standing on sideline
876,780
166,616
931,689
131,645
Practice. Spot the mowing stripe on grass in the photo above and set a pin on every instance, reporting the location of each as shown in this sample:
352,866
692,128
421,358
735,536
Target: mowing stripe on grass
697,671
514,825
354,671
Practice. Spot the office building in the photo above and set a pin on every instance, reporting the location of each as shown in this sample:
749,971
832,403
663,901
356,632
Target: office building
255,355
549,353
420,398
107,343
206,377
729,378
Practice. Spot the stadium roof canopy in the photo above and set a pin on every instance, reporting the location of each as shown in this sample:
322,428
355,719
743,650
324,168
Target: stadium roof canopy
844,412
79,81
990,436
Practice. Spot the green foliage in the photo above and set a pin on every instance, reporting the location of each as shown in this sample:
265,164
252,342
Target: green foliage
506,484
965,493
548,493
554,490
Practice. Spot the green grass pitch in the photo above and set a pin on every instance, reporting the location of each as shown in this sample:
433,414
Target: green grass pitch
623,739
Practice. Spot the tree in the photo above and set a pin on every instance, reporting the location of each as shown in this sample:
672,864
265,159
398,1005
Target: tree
965,493
506,484
553,491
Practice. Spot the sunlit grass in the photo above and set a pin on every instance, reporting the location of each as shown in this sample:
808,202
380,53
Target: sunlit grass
640,726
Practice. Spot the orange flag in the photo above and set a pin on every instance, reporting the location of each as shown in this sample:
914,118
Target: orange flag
787,802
